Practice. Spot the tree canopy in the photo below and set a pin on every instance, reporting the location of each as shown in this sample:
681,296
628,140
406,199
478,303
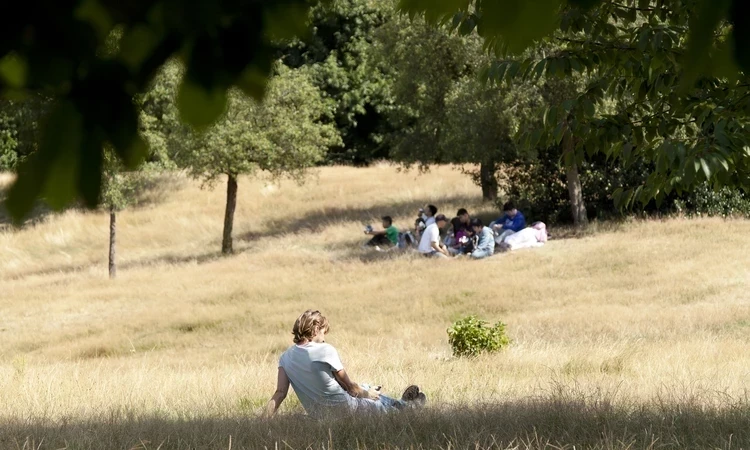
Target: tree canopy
664,81
60,48
657,84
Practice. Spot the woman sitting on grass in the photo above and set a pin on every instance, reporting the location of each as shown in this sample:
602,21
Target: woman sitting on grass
316,373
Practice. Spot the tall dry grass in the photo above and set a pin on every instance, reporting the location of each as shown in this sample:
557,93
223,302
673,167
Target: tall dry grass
631,335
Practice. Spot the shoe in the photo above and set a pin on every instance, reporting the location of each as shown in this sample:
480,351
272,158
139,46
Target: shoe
413,397
411,393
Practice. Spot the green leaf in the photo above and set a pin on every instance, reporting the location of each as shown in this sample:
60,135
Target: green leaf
458,18
518,23
285,20
703,22
585,4
588,107
89,181
627,150
198,107
617,197
253,82
52,171
559,133
136,45
550,117
536,136
513,69
13,70
723,162
643,39
467,26
706,169
96,15
539,69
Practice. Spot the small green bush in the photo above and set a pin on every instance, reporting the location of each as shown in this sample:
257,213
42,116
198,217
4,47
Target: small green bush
471,336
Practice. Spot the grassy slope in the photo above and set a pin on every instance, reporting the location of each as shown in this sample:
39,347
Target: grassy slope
642,319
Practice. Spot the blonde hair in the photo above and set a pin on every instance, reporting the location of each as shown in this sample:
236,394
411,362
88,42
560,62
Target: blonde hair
307,325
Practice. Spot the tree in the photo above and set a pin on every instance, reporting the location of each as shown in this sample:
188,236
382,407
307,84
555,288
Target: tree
444,113
227,44
119,190
19,128
8,142
62,52
655,93
283,135
338,54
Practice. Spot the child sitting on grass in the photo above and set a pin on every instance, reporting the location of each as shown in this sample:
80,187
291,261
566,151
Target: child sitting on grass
387,237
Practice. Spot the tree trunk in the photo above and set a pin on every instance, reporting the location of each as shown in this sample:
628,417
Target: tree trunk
577,206
226,243
488,181
112,241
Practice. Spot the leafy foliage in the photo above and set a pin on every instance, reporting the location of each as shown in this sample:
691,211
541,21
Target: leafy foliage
538,185
653,92
64,51
471,336
19,128
444,114
121,188
706,201
8,143
339,55
283,135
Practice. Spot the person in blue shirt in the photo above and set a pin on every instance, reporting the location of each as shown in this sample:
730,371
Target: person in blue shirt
485,240
512,221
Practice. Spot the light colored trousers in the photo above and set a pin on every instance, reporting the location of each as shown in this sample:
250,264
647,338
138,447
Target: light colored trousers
499,238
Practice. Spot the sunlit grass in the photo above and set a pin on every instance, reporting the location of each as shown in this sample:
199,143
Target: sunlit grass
642,315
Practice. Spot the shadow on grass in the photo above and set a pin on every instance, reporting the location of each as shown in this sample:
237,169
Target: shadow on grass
317,220
152,191
201,258
37,215
543,424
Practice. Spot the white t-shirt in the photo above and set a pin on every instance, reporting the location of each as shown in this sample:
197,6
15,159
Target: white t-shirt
310,370
429,235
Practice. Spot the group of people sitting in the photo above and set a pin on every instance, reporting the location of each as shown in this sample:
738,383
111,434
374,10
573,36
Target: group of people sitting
463,236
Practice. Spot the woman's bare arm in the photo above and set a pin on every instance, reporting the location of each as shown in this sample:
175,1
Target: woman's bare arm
282,389
354,389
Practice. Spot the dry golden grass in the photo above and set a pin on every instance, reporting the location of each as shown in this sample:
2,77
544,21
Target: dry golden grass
638,325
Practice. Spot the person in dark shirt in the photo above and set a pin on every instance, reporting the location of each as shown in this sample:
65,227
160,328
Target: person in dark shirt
460,224
460,227
512,221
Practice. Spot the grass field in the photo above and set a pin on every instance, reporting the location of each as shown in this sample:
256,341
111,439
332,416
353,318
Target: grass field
634,336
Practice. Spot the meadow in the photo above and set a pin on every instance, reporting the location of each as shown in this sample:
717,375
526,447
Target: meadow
631,335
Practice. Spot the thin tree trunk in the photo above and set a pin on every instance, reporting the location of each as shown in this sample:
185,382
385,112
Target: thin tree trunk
226,243
112,242
488,181
577,206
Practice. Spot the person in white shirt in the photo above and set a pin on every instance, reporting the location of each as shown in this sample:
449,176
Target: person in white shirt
429,244
428,214
426,217
314,370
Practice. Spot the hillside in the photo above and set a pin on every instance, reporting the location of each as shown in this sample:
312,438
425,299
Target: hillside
637,314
